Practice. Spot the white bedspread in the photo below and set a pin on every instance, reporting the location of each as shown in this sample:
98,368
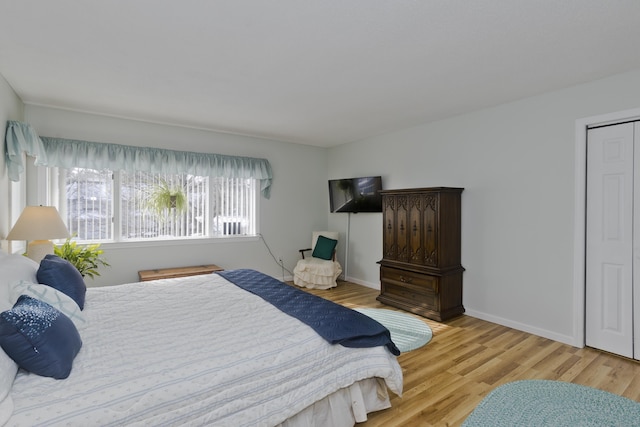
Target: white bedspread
193,351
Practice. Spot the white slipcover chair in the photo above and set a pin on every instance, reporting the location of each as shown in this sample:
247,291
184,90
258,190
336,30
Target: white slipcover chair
317,273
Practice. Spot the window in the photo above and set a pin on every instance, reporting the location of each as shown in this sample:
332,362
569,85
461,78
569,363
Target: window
108,206
163,206
89,204
121,206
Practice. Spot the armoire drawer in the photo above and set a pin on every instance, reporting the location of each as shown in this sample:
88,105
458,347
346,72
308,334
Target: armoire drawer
416,281
410,295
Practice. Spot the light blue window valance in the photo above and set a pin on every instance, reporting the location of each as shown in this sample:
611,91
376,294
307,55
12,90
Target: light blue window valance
21,138
67,153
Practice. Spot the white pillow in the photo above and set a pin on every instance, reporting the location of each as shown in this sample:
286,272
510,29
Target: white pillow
14,269
8,370
51,296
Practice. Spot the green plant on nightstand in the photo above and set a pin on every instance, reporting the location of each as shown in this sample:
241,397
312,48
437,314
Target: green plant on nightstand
86,258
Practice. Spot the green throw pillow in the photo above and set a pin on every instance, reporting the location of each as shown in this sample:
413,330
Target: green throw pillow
324,248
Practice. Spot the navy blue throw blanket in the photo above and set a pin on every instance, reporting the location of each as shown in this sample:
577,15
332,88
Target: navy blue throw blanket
333,322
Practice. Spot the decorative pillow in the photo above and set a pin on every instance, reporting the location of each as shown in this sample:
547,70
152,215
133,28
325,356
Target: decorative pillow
324,248
58,300
39,338
60,274
14,269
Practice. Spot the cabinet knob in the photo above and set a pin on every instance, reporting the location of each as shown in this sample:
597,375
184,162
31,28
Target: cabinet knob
406,279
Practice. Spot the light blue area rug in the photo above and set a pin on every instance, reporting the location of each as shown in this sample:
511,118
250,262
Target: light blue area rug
407,331
553,403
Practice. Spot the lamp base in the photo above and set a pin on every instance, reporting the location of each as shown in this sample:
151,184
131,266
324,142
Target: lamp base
38,249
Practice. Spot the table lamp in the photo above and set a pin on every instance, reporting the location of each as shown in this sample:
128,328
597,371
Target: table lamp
38,224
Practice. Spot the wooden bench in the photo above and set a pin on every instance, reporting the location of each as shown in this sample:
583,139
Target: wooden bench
170,273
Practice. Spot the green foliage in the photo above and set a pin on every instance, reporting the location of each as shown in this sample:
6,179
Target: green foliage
163,198
86,258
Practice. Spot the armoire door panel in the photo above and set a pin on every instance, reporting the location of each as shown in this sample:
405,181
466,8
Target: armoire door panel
431,230
416,248
390,247
402,217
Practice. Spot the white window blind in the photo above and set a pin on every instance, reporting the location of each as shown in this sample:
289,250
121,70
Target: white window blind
234,206
87,203
103,206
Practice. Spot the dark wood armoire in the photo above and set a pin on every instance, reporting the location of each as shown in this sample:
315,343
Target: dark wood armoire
420,270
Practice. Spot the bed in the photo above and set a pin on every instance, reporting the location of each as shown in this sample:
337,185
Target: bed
192,351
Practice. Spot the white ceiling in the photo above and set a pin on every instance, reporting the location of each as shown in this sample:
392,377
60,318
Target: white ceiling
319,72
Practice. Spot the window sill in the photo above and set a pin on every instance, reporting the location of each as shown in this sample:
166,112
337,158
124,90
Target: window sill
175,242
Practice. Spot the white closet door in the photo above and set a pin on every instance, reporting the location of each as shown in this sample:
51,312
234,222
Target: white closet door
609,272
636,242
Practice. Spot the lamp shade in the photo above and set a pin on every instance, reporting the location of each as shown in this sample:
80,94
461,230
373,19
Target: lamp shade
38,223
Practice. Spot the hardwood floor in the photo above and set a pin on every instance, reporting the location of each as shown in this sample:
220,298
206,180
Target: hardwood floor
468,357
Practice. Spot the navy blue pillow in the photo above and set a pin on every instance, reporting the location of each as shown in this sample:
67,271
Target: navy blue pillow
39,338
63,276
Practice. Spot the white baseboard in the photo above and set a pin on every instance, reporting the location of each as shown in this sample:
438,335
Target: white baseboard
362,282
565,339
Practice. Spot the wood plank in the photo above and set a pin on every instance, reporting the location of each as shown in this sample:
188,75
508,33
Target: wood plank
468,357
170,273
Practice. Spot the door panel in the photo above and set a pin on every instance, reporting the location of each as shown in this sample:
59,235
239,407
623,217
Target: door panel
609,272
390,246
403,233
431,230
636,242
416,248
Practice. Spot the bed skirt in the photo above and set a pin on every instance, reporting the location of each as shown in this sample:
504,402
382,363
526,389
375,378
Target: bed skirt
344,407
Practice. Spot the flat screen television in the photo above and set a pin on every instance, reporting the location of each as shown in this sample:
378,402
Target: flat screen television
356,194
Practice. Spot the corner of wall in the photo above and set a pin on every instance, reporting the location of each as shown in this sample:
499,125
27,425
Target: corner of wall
11,108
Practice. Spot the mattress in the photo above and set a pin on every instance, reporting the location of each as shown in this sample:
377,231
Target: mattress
197,351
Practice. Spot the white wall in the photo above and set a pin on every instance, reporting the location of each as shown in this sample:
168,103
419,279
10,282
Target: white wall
516,163
287,219
11,108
